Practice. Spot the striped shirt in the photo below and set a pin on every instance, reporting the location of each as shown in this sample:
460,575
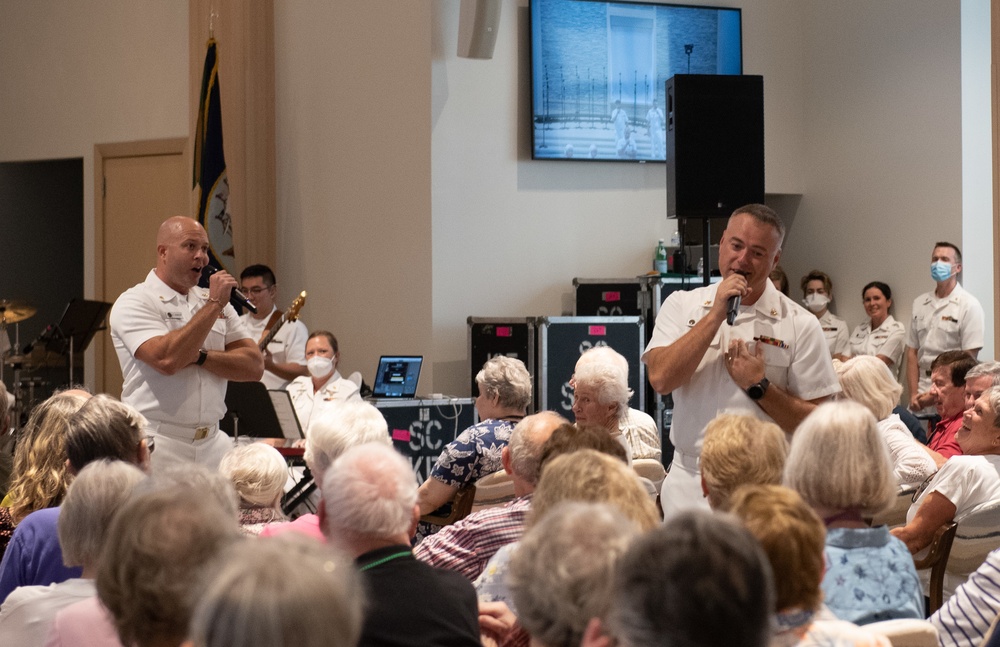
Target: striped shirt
965,616
467,545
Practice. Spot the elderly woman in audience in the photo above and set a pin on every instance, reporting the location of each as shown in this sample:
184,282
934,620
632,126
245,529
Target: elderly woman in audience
561,574
740,450
103,428
107,428
701,580
792,537
281,591
175,524
585,475
40,478
869,382
258,473
600,397
504,395
638,427
964,481
840,466
94,497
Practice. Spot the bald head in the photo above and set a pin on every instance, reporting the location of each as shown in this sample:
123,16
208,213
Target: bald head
523,455
181,252
174,227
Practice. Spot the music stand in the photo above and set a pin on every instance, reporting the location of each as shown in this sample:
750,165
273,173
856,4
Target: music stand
81,320
254,411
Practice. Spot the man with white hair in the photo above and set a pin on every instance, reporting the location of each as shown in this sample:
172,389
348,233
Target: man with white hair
370,510
638,427
979,378
466,546
351,423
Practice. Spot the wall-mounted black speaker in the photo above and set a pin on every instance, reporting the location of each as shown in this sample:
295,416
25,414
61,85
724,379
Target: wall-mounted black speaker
715,144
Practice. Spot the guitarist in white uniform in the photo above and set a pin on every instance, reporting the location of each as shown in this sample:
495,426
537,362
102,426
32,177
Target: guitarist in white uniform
285,354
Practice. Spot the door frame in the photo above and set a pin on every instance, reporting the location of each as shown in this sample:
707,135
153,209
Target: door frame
102,152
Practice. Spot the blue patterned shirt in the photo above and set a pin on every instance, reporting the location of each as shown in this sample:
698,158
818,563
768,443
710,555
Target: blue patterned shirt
870,576
474,454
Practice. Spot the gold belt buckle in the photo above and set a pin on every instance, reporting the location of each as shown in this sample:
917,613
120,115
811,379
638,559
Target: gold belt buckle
201,433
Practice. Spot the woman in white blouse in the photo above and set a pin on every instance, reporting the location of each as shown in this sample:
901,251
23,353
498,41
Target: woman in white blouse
868,381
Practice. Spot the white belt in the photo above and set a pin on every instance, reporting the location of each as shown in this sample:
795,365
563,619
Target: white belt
687,461
182,432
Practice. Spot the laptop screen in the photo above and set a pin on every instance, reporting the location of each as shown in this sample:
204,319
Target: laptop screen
397,376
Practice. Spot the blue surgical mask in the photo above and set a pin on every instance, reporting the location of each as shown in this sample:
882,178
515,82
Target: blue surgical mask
940,271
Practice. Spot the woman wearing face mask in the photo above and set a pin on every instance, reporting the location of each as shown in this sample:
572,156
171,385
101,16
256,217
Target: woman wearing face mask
817,291
881,336
323,387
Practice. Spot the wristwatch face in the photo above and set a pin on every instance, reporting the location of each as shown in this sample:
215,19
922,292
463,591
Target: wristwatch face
756,391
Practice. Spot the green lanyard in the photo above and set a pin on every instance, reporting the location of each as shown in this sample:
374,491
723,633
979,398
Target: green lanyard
387,558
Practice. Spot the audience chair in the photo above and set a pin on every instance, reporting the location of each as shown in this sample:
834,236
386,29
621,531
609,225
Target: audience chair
651,469
895,515
493,490
936,559
908,632
461,506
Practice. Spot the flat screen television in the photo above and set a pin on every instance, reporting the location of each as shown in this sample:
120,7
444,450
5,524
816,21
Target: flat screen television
599,71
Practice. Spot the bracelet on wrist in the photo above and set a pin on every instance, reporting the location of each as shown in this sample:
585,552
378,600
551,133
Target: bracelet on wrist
218,301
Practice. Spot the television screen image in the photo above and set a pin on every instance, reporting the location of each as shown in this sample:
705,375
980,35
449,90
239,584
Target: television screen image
599,70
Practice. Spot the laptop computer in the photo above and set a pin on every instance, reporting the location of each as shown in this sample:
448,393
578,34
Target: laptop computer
396,377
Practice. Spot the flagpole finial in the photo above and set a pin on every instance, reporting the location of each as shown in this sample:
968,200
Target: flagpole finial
211,22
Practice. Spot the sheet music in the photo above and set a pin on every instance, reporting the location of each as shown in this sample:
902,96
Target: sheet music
290,427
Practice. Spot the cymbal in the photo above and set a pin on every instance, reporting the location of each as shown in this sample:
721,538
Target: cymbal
14,311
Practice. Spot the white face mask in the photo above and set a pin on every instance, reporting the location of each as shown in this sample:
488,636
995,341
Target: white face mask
816,301
319,366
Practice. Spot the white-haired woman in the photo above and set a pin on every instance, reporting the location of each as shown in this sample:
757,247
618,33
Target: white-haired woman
280,591
92,500
600,397
504,395
840,466
258,473
868,381
964,481
561,573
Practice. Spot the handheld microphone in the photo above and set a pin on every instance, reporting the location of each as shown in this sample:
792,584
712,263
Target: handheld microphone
732,308
237,298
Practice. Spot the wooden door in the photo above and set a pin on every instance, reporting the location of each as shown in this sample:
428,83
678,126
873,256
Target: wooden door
139,185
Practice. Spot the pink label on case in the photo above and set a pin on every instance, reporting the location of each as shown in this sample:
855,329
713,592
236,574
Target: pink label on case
597,330
611,296
504,331
401,434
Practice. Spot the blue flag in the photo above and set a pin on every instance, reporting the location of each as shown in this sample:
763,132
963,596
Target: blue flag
210,168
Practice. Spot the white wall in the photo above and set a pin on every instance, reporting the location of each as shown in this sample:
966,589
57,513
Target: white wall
353,173
883,147
977,161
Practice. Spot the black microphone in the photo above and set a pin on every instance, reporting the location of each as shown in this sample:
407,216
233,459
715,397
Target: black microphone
732,308
235,297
